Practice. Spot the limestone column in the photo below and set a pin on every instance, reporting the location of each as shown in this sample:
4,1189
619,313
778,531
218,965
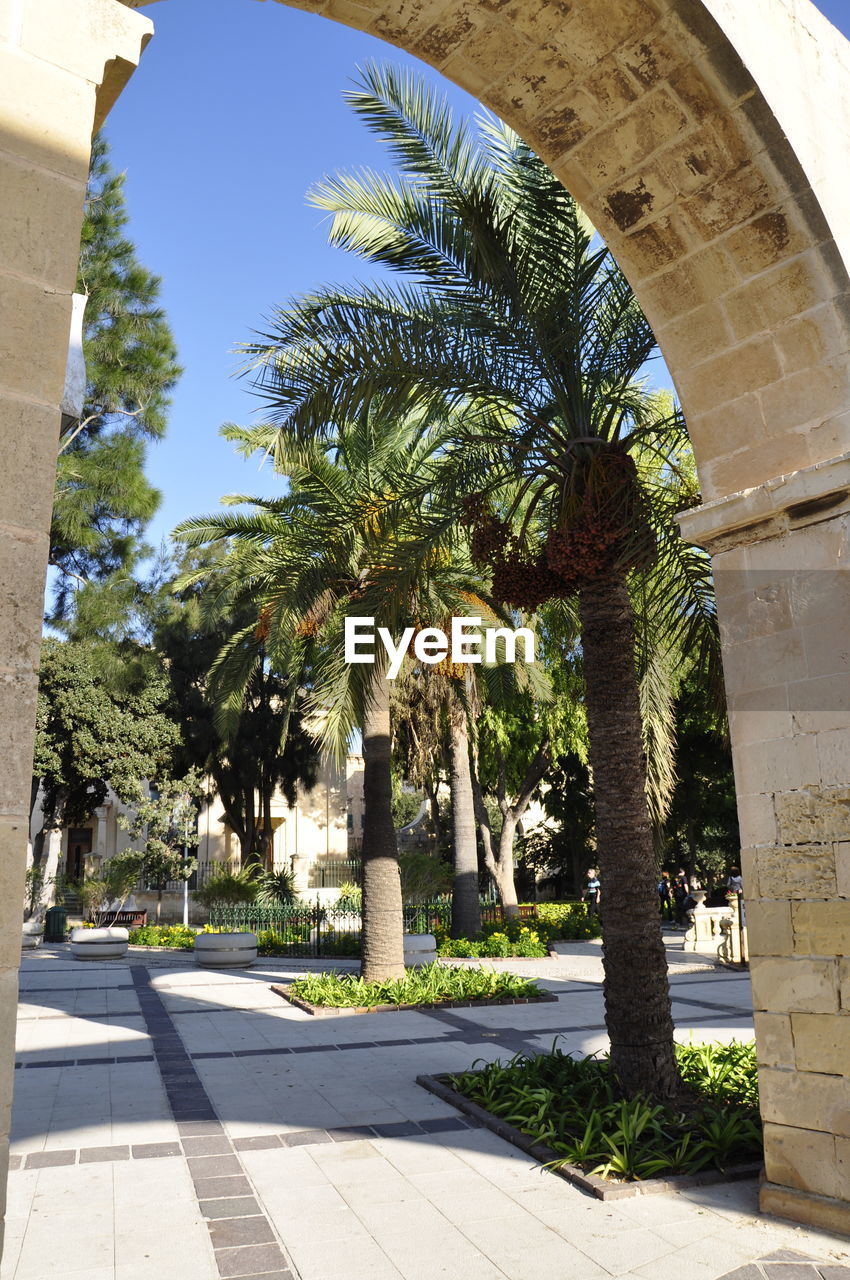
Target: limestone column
61,67
781,555
100,833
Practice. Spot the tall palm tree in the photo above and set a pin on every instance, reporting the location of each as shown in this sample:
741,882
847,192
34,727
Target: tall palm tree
324,552
513,316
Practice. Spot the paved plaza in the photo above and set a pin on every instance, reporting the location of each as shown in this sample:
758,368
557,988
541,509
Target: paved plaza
176,1124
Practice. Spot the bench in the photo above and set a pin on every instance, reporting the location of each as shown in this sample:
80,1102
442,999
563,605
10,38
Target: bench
127,919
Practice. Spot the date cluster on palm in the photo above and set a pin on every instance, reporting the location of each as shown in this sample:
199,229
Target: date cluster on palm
600,526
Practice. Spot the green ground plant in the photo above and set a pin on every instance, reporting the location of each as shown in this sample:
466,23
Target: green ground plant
432,984
555,922
574,1105
179,936
497,942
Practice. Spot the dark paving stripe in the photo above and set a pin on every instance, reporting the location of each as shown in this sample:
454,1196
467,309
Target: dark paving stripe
155,1150
49,1159
245,1244
183,1080
98,1155
56,991
213,1158
787,1264
711,1004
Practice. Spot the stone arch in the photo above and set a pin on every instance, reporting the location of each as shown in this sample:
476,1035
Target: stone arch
687,130
649,114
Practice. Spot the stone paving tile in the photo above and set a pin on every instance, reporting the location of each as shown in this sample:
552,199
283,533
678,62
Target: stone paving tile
787,1264
249,1260
352,1186
92,1155
229,1207
347,1258
211,1188
242,1230
46,1159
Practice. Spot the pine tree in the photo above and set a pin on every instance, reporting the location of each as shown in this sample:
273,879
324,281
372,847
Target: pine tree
103,500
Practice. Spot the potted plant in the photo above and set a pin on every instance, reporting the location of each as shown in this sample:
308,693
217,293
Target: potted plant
33,927
236,948
103,895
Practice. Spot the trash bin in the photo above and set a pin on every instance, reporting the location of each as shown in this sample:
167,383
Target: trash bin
55,924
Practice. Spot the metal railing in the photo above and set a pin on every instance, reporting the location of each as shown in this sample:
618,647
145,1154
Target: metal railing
333,874
311,929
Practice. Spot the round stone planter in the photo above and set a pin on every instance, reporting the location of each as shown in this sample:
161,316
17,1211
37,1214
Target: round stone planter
32,934
99,944
225,950
419,949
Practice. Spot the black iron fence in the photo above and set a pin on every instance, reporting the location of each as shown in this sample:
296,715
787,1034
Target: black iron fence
334,874
311,929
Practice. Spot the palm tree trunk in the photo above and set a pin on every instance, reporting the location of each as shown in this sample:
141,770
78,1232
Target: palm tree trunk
434,810
637,994
466,909
383,944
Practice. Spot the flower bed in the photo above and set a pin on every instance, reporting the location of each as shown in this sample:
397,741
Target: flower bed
291,930
554,922
174,936
271,942
565,1111
430,986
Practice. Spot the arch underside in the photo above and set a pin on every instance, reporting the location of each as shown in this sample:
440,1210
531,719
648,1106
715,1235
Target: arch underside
647,113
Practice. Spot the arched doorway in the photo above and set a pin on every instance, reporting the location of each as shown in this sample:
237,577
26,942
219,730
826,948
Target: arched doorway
686,130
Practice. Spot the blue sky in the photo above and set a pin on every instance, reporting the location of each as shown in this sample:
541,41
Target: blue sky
235,111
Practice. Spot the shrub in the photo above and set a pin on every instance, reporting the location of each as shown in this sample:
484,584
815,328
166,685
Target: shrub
568,921
228,888
274,888
350,897
508,939
164,935
423,877
572,1105
432,984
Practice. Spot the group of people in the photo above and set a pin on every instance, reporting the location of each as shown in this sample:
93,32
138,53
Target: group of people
675,893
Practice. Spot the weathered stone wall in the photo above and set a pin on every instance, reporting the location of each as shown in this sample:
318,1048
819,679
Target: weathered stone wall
60,65
784,600
690,131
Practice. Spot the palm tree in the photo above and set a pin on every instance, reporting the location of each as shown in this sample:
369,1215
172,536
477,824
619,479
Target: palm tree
328,550
515,320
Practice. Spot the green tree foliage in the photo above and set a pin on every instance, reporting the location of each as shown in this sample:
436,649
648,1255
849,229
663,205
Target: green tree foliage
514,320
263,746
164,819
90,737
103,501
701,829
338,545
558,853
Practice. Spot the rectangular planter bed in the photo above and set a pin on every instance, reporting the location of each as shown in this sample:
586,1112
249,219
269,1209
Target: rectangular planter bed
601,1188
321,1010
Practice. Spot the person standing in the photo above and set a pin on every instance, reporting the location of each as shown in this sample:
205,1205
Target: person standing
665,897
592,891
681,892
